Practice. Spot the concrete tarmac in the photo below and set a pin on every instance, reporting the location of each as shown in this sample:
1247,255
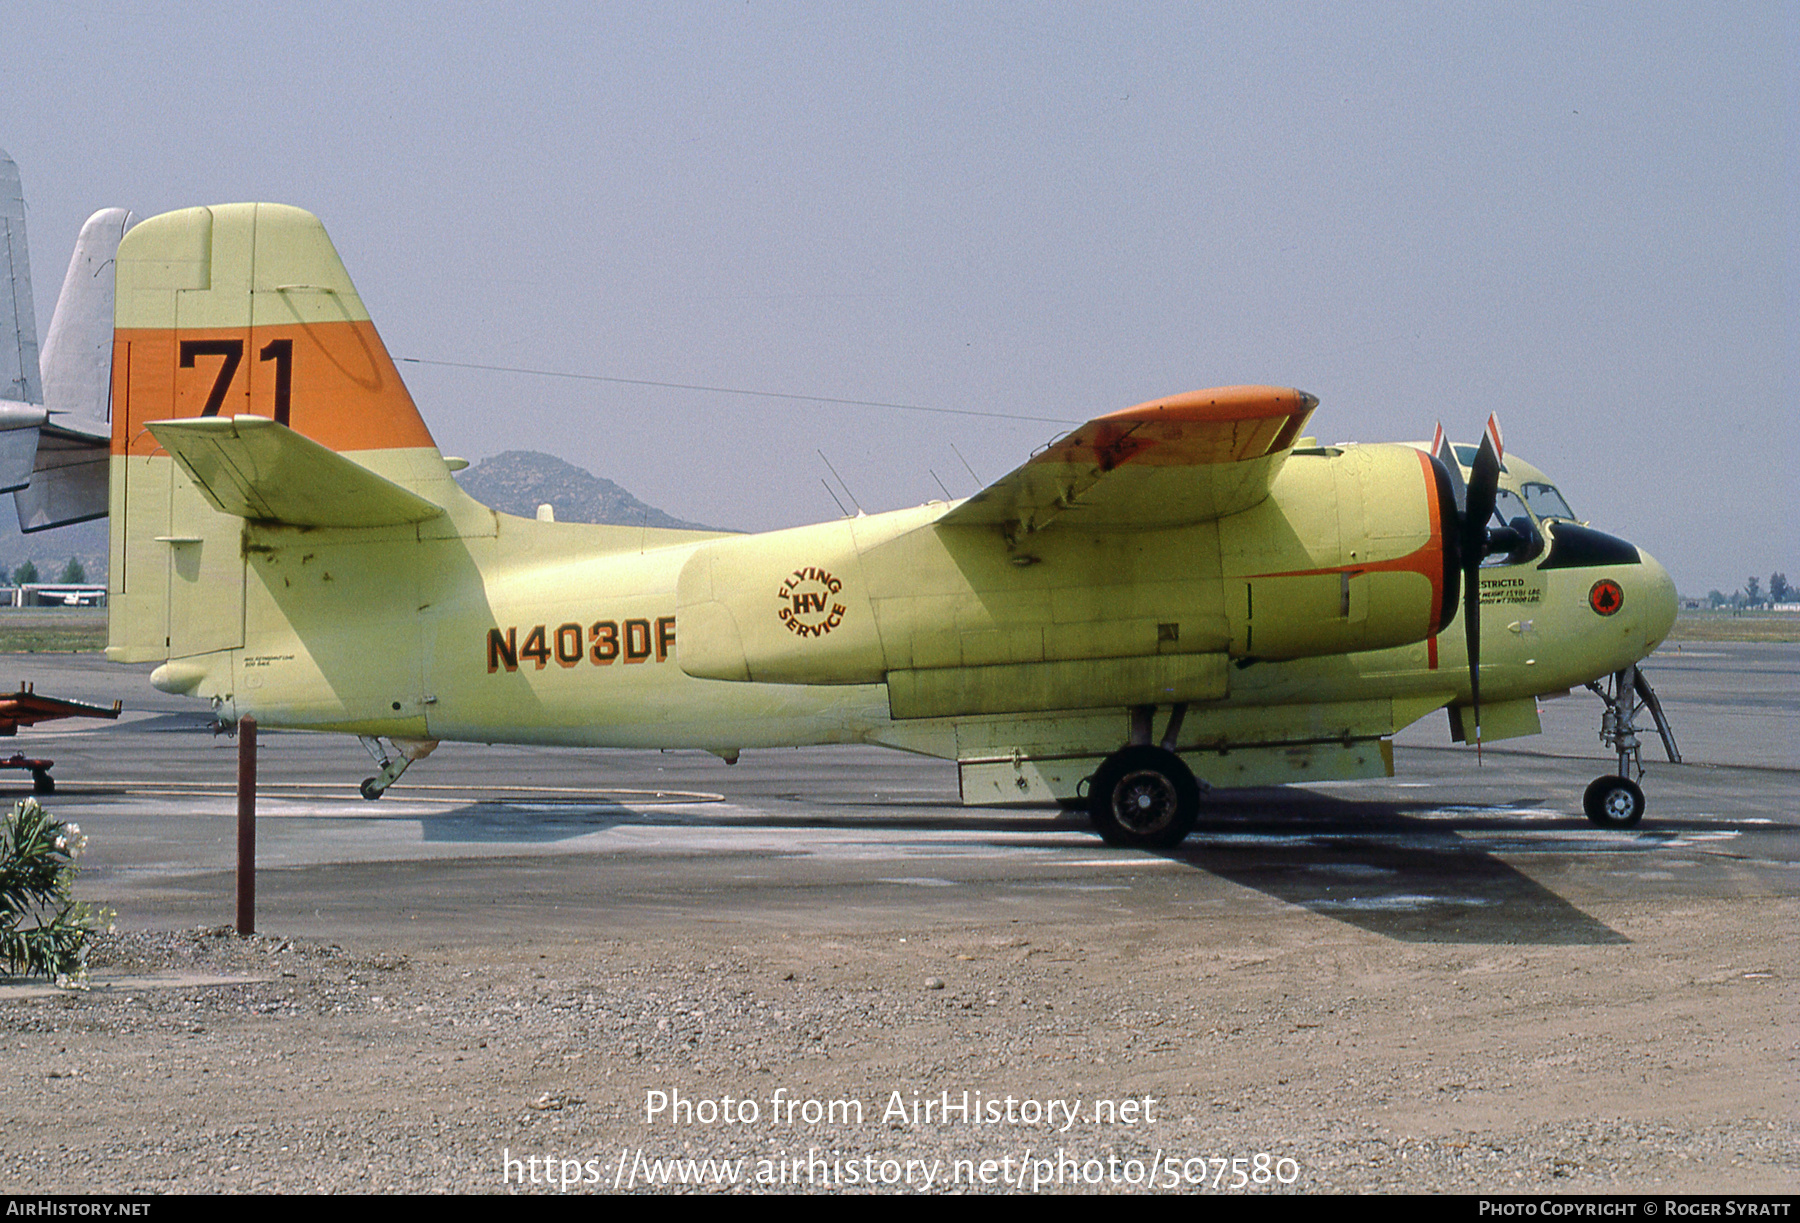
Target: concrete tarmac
1444,981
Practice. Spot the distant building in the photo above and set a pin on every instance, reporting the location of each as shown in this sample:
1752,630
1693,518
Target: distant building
54,594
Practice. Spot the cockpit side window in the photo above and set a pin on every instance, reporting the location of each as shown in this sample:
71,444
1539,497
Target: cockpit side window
1547,503
1507,507
1513,538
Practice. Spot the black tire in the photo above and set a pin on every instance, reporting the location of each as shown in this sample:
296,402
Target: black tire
1613,802
1143,798
369,791
42,783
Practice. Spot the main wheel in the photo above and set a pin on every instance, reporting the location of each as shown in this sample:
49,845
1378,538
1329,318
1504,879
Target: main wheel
369,789
1613,802
1144,797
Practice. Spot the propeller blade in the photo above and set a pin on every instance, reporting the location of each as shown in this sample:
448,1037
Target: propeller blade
1484,490
1472,636
1443,452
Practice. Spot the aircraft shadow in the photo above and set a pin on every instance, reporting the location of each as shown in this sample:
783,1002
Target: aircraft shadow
522,822
174,723
541,821
1383,867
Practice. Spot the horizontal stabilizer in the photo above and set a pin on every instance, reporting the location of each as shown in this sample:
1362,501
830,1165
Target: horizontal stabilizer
253,467
19,424
68,477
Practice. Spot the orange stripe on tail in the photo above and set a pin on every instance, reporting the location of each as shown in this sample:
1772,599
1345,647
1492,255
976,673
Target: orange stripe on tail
332,382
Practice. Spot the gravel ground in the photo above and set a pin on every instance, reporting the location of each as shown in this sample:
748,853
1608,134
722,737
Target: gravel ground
203,1062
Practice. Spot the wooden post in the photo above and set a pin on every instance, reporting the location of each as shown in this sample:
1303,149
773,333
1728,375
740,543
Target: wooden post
246,829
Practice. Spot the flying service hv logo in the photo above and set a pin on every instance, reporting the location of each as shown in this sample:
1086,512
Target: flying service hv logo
809,605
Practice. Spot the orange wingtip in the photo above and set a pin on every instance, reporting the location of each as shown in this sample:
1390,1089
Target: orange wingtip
1222,403
1230,424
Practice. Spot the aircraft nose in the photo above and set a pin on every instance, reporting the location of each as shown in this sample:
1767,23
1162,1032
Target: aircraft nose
1656,600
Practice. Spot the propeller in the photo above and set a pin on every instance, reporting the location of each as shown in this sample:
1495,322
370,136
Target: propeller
1474,506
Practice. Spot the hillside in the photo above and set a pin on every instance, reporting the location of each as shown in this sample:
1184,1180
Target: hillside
51,550
519,481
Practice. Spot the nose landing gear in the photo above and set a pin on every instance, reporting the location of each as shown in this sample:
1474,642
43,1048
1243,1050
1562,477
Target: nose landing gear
1616,800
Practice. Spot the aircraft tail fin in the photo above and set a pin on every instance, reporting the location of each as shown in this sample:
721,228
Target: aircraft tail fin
63,462
246,310
250,391
18,317
21,392
77,356
65,458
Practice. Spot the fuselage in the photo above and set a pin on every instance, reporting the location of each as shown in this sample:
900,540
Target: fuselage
514,630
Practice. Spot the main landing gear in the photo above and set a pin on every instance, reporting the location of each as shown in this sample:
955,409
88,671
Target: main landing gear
1616,800
1143,796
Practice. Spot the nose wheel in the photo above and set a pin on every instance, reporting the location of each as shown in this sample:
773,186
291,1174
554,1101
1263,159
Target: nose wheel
1143,797
1613,802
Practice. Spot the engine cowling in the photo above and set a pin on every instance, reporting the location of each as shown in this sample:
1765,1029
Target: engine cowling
1348,553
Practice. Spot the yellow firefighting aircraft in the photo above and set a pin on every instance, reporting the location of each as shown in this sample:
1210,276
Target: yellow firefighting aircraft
288,542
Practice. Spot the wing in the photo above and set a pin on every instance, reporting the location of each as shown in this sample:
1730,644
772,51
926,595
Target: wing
1171,461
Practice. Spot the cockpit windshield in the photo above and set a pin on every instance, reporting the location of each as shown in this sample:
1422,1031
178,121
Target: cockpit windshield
1547,503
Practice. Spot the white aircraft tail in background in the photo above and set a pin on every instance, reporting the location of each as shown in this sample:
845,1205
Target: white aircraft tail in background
54,408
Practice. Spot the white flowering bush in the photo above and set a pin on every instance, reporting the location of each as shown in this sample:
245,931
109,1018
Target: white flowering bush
43,929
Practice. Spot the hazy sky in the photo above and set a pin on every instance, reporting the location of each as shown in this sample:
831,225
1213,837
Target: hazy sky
1579,215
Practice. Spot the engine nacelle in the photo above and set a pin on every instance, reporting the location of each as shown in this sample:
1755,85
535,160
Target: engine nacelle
787,607
1353,550
1347,553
